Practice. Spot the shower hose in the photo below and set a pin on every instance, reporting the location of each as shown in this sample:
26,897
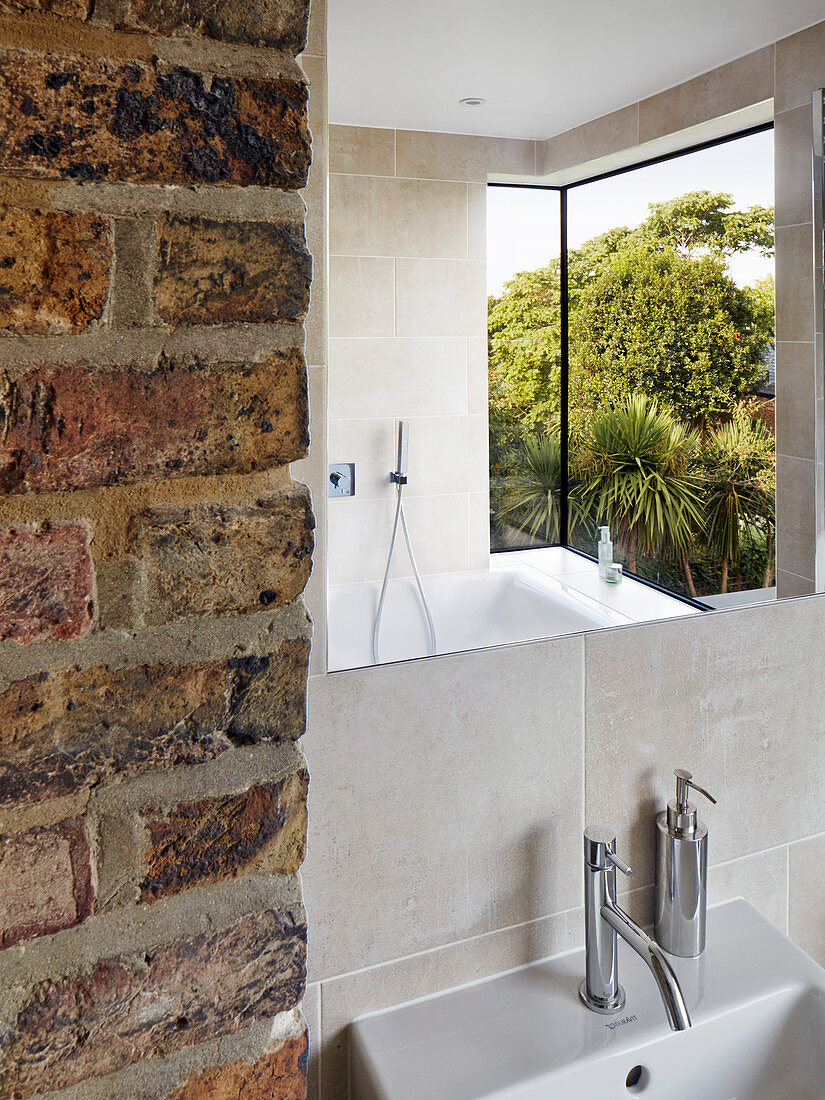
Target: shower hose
399,515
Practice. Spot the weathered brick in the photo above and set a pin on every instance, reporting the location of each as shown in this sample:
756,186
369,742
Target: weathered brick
64,117
136,1006
211,839
46,881
63,731
215,558
215,272
73,426
281,24
54,270
46,582
280,1074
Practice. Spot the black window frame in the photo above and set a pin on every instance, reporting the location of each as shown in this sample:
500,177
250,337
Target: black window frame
563,190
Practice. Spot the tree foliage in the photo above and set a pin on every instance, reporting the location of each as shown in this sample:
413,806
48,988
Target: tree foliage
675,327
652,309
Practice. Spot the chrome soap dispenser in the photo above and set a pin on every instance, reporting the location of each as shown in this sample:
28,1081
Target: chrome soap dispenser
682,873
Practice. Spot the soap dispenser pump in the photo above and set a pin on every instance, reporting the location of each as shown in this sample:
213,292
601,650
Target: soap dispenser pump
682,873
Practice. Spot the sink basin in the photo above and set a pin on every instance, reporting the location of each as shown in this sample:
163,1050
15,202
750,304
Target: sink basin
757,1003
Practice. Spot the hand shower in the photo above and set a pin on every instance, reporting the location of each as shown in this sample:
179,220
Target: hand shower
403,444
399,479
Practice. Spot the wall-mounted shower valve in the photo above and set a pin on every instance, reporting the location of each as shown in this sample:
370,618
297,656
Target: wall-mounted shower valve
342,479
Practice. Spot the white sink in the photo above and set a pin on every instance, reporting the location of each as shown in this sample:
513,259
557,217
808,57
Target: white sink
756,1001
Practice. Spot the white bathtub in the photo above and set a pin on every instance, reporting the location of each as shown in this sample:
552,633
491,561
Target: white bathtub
470,611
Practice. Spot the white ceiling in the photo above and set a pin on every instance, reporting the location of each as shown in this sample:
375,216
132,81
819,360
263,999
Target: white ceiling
542,65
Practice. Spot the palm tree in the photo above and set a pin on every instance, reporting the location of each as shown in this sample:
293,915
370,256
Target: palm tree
639,479
534,493
739,472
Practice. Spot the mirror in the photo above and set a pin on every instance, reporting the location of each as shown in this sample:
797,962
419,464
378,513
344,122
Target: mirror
557,402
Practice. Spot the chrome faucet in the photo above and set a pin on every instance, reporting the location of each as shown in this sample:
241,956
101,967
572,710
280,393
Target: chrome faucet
603,921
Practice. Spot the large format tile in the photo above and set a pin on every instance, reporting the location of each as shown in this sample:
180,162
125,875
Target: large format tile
433,156
446,800
315,197
399,378
722,91
788,585
795,515
800,67
360,530
313,472
718,695
761,879
446,454
795,399
440,297
362,150
311,1009
806,904
794,283
361,296
609,134
792,165
431,972
372,216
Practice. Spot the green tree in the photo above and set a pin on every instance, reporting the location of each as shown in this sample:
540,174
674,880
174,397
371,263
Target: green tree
702,222
685,239
739,474
525,348
533,498
638,478
672,326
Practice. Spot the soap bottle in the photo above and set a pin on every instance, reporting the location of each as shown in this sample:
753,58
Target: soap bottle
682,873
605,551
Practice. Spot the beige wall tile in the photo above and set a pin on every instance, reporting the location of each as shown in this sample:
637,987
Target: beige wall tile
761,879
398,378
449,454
359,535
806,908
800,67
315,196
794,283
701,693
795,523
478,386
480,530
795,393
362,150
477,222
313,472
792,161
424,155
789,585
448,827
371,445
371,216
311,1008
432,972
719,92
609,134
317,37
446,455
440,298
362,296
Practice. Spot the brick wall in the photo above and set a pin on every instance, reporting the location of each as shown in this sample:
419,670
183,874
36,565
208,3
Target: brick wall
154,549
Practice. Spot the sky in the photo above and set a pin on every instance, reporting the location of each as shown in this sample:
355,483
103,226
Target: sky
523,225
